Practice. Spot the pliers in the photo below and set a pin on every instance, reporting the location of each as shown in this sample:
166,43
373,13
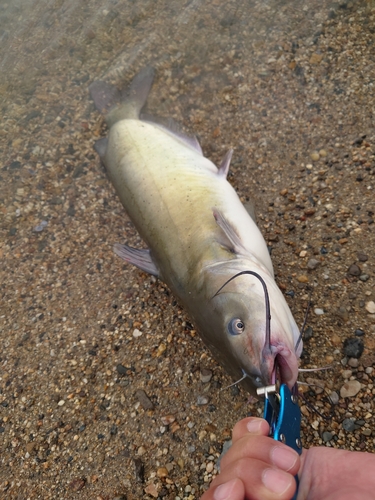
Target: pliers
284,417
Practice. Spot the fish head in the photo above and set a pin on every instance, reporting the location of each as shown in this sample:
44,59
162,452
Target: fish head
240,332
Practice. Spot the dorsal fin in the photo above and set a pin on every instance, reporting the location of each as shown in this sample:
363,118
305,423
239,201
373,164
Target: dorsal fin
172,128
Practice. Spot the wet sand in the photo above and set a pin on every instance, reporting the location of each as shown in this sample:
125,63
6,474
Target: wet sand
289,86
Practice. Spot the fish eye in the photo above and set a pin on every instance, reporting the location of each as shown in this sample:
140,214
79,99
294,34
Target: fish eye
236,326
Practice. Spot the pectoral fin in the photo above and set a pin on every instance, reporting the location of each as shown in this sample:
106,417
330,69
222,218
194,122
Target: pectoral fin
234,242
140,258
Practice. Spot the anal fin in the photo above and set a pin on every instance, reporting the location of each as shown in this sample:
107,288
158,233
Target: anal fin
140,258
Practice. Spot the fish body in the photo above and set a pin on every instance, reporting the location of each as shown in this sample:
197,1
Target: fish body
198,235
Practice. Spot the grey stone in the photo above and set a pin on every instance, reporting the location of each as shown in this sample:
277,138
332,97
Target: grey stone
327,436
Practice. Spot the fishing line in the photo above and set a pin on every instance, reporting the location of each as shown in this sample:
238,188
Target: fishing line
266,297
304,324
314,408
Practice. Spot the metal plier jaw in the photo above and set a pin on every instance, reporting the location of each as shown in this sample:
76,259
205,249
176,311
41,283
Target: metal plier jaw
284,417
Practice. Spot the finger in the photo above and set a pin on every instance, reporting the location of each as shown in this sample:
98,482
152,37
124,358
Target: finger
252,425
264,449
231,490
261,481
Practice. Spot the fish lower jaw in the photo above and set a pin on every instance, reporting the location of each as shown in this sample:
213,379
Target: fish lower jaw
279,364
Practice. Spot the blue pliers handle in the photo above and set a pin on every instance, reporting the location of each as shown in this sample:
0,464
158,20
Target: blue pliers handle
284,417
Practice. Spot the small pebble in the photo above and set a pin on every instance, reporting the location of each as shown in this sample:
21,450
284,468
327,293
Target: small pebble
309,332
346,374
136,333
318,311
353,347
152,490
162,472
327,436
334,397
77,484
353,362
168,419
362,257
367,432
359,332
121,370
350,389
303,278
202,400
368,360
145,401
315,156
354,270
312,264
209,467
317,385
205,375
349,425
370,307
40,227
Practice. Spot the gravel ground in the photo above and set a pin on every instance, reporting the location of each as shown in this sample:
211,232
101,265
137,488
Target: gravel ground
106,390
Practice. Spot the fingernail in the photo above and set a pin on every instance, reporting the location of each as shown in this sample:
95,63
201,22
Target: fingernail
224,491
283,457
276,480
253,426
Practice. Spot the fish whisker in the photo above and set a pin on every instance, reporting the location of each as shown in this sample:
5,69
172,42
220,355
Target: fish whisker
322,368
245,375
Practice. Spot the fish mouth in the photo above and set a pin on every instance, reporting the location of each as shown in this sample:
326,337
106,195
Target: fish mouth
279,364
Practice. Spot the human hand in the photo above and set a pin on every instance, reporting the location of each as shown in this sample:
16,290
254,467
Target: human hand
257,467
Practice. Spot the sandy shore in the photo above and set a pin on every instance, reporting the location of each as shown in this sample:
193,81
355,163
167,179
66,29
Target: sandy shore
101,386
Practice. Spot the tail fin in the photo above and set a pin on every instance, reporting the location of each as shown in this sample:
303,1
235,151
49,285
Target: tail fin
115,105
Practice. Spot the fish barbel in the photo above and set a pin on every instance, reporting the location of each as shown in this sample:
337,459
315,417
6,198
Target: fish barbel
199,235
